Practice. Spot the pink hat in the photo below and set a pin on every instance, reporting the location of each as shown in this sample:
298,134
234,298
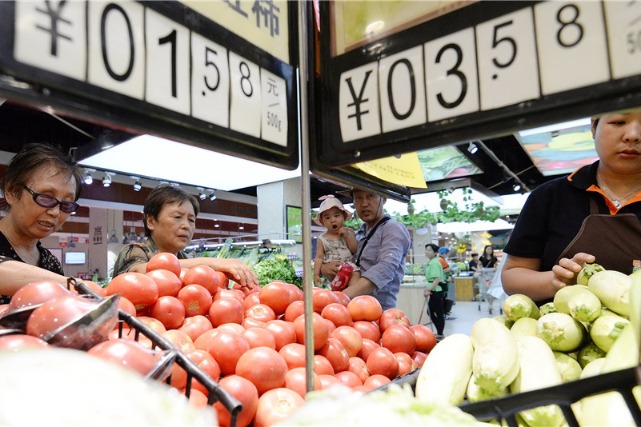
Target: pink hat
328,203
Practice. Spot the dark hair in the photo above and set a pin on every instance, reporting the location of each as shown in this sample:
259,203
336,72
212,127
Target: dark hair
475,254
34,156
433,246
162,195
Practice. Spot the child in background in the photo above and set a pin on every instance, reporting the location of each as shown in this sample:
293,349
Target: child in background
338,243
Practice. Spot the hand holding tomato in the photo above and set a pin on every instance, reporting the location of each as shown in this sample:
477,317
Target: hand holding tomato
238,270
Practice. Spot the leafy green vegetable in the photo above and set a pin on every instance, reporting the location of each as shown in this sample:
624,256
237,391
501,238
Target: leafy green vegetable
276,267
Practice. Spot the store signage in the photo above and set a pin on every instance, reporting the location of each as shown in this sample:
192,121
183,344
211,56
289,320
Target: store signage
179,73
483,69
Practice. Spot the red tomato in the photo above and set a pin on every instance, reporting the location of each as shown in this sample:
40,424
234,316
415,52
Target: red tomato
164,261
246,393
294,355
168,283
128,354
197,398
204,341
284,332
223,280
275,295
330,325
195,326
295,293
368,330
335,352
94,287
338,314
321,298
227,347
350,337
127,306
226,310
399,338
3,308
35,293
204,361
153,323
375,381
248,322
196,300
251,300
366,349
264,367
259,337
19,341
392,316
341,298
294,309
204,276
382,361
405,363
138,288
276,405
425,338
327,381
295,379
168,310
359,367
234,327
260,312
230,293
180,339
365,307
320,330
419,357
322,365
58,312
348,378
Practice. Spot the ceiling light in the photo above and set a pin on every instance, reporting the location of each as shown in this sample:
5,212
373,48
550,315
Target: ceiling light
106,181
217,226
241,228
137,184
516,187
212,195
201,193
472,148
88,177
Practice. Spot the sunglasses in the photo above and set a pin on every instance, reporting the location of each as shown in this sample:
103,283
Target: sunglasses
47,201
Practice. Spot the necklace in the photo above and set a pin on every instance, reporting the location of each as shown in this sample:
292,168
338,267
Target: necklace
616,202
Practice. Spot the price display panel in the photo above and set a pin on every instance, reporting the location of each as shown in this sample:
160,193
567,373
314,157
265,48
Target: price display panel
472,70
156,67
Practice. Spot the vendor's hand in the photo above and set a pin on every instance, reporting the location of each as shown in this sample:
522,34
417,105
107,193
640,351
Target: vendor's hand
567,269
427,292
329,269
239,271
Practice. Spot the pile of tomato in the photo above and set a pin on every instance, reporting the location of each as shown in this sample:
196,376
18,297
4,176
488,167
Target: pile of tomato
251,340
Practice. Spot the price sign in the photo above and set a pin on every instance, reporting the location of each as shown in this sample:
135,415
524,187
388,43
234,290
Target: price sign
488,68
158,67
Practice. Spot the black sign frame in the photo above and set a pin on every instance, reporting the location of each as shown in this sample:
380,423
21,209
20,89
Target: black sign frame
33,85
331,152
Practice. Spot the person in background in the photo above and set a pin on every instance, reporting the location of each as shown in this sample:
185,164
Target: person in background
383,244
435,279
488,262
170,222
448,300
338,243
590,216
40,186
474,263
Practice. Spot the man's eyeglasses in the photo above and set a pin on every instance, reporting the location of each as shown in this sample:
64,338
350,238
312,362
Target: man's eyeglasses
47,201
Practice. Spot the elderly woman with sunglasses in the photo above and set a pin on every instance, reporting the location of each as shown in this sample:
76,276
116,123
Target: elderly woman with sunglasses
40,187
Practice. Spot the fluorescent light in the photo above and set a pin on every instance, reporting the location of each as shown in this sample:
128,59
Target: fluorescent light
555,127
176,162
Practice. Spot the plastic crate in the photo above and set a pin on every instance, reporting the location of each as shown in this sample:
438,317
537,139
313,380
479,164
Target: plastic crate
215,392
504,409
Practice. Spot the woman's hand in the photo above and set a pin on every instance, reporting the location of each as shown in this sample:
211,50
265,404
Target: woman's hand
329,269
427,292
567,269
238,270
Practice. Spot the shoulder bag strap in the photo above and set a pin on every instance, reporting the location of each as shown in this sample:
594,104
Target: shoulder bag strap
369,236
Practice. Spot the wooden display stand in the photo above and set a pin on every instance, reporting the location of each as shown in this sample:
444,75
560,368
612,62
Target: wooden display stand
464,287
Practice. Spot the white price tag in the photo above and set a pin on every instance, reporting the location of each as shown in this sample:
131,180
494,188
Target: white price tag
507,60
51,35
402,90
117,47
358,103
451,78
624,36
209,81
274,125
167,80
245,114
571,41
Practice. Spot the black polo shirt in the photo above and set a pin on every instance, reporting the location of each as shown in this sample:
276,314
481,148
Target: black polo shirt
553,214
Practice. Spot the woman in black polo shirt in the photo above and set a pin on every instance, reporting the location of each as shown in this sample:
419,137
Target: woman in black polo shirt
593,215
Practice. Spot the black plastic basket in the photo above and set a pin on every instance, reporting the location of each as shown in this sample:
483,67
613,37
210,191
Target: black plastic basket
505,409
215,392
